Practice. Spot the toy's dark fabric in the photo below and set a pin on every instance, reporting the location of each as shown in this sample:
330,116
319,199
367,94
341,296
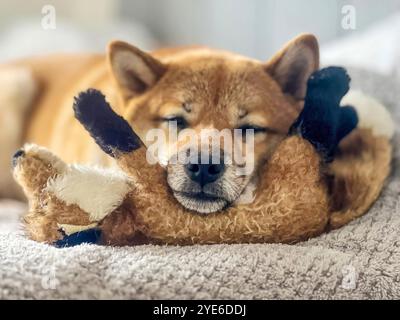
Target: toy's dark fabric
86,236
322,121
110,131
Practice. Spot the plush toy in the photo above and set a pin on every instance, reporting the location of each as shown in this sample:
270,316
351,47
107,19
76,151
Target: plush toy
308,185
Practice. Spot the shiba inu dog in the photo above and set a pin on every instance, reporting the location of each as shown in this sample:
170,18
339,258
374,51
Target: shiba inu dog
191,87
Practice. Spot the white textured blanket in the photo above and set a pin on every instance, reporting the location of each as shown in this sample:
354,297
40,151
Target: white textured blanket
361,260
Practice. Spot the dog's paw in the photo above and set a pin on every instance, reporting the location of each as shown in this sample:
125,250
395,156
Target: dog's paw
322,121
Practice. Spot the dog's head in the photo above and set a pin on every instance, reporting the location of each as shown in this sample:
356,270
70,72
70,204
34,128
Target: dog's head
196,91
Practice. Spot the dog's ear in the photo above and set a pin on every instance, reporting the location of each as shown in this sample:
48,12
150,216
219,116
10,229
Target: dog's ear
134,70
292,66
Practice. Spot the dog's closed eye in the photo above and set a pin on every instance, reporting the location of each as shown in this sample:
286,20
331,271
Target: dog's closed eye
178,121
255,128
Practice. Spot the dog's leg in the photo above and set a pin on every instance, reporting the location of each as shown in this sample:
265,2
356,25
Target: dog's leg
18,89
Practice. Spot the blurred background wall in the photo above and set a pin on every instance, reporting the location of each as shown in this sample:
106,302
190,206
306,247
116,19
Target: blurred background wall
256,28
253,27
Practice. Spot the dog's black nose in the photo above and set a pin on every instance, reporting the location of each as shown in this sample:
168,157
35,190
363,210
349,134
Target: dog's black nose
204,173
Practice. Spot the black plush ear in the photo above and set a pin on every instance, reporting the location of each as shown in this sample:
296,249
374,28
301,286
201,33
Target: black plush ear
293,65
134,70
110,131
323,122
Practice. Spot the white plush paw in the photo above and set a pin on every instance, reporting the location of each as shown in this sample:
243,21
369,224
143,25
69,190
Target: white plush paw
371,113
95,190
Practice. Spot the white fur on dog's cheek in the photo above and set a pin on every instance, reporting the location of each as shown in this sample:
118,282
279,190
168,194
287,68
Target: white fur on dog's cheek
248,195
95,190
371,113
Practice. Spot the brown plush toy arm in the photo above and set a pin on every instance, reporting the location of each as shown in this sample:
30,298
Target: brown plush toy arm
115,136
